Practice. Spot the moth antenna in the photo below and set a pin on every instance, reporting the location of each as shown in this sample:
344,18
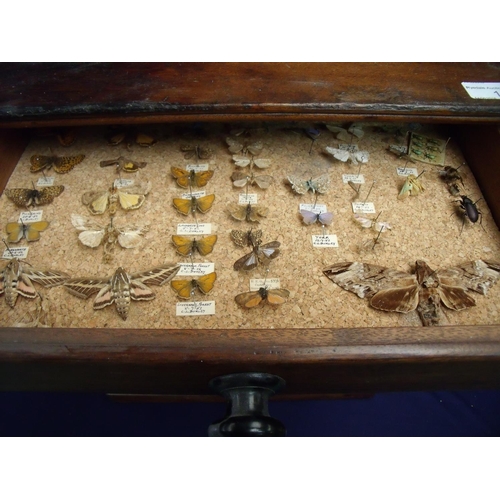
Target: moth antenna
373,183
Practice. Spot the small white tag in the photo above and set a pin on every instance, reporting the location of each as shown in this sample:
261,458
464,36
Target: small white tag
198,168
187,229
352,148
120,183
363,207
34,216
482,90
357,179
269,283
245,199
196,194
195,268
406,171
396,148
45,181
325,241
317,209
18,252
201,308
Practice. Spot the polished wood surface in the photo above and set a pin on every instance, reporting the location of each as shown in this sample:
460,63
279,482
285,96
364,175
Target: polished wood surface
37,94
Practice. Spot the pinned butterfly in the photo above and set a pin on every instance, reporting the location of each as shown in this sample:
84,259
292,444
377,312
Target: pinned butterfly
61,164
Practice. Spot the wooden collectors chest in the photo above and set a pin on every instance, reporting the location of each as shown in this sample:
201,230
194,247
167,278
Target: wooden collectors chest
315,357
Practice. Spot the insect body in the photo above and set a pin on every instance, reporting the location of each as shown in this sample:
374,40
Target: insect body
470,209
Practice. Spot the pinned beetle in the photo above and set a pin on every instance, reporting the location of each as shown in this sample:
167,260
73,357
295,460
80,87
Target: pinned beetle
471,211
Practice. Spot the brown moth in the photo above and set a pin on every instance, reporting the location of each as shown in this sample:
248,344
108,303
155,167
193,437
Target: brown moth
248,212
125,164
122,287
261,254
397,291
16,279
246,238
25,197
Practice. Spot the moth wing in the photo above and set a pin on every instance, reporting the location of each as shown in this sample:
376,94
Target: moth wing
86,287
263,181
298,185
321,184
361,156
248,299
382,226
407,188
183,245
117,138
234,145
96,201
39,162
255,148
25,287
477,275
364,221
240,238
139,291
247,262
129,201
47,194
181,176
158,275
206,283
34,229
201,178
83,224
206,245
255,212
104,298
262,163
455,297
182,205
325,218
204,204
45,277
145,140
182,287
308,217
356,130
269,250
204,152
343,135
21,197
239,179
277,296
92,238
398,299
64,164
130,238
338,154
241,161
14,231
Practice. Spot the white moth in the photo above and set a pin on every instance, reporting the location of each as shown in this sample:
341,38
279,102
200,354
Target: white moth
346,134
343,155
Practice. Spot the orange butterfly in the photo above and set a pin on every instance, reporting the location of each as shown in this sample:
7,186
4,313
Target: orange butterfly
187,246
186,205
186,178
61,164
275,297
18,230
185,288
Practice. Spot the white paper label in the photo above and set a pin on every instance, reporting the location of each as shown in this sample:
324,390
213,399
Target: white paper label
120,183
198,168
201,308
35,216
363,207
195,194
352,148
317,209
245,199
325,241
45,181
195,268
187,229
18,252
482,90
269,283
398,149
357,179
406,171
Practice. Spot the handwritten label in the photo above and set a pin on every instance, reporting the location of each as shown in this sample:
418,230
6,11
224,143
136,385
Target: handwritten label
325,241
17,252
195,194
201,167
269,283
363,207
45,181
187,229
34,216
120,183
395,148
317,209
482,90
406,171
195,268
357,179
202,308
245,199
352,148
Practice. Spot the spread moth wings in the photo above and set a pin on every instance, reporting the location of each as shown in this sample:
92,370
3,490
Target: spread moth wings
241,179
248,212
246,238
320,184
125,164
186,178
412,187
129,198
187,246
346,134
245,161
235,146
344,155
200,152
367,223
187,205
31,232
61,164
260,254
185,287
275,296
308,217
26,197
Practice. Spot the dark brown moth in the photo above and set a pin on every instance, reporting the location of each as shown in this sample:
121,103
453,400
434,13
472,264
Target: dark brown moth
425,290
261,254
25,197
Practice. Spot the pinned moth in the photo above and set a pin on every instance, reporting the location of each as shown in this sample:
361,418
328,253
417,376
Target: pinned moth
380,227
261,254
188,246
244,147
412,186
343,134
185,206
93,234
129,137
245,161
273,296
61,164
17,279
129,198
425,290
185,288
248,212
30,231
241,179
320,184
122,287
344,154
246,238
309,217
33,197
125,164
199,152
191,178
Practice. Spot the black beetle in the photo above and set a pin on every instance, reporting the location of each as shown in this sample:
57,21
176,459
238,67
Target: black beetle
471,211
